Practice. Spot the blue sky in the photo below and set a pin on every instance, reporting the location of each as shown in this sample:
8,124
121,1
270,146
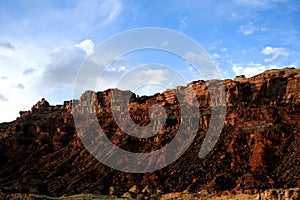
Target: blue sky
42,43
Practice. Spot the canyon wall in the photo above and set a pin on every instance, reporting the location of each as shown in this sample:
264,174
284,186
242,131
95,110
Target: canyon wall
258,148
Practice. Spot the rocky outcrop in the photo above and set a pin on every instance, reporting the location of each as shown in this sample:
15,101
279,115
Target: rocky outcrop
40,152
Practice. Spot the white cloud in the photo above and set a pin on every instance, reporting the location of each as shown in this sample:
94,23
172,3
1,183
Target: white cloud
64,64
183,24
109,79
145,79
112,69
250,69
122,68
3,98
7,45
207,69
29,71
292,65
195,58
14,95
258,3
86,45
131,80
275,52
215,56
61,71
250,28
156,75
192,69
247,29
116,68
20,86
263,29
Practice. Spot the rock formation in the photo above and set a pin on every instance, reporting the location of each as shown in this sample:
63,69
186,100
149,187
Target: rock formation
259,147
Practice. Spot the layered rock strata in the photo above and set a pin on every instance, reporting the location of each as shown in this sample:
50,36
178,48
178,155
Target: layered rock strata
259,146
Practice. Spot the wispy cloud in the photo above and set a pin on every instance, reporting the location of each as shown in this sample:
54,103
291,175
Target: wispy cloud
250,28
183,24
251,9
264,4
112,8
63,20
275,52
247,29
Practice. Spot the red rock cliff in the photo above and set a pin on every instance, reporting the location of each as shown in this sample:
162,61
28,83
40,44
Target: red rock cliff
40,152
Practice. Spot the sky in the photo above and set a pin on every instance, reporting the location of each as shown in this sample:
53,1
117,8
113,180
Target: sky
44,43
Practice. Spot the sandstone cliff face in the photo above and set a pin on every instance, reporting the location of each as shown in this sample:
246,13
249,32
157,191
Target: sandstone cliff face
259,147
